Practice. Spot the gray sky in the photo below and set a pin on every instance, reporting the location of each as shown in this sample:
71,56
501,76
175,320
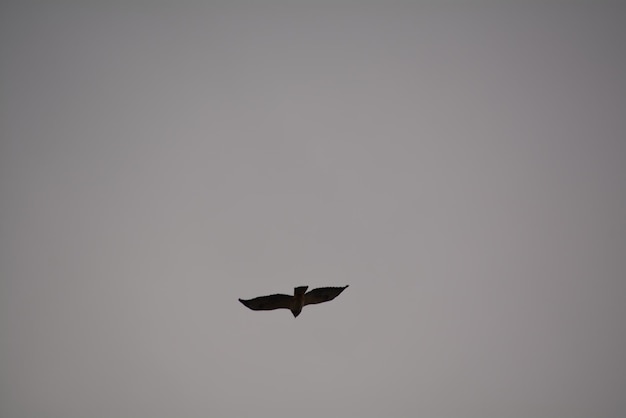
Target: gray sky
462,168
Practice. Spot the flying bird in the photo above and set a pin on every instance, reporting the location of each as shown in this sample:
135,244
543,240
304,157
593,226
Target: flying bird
296,302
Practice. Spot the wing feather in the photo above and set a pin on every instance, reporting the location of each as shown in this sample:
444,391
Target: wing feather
267,303
322,294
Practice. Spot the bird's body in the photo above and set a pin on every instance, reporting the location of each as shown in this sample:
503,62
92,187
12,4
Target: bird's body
296,302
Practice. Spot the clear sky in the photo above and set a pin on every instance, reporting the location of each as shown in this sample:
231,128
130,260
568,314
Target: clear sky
461,167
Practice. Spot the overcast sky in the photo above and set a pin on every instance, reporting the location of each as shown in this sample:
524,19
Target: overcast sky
462,168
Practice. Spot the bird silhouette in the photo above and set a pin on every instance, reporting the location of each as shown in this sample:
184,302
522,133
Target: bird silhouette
294,303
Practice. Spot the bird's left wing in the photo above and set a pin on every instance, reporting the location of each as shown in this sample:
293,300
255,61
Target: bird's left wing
322,294
267,303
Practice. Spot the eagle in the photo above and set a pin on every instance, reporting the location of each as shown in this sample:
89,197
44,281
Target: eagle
296,302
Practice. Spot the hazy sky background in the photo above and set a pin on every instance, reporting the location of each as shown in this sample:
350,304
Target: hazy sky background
461,167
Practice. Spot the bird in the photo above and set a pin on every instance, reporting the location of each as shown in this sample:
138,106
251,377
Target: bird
296,302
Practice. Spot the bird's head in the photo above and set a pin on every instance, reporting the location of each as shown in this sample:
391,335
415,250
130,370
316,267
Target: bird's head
300,290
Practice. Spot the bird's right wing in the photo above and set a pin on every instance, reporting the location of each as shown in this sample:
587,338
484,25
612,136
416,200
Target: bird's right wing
322,294
267,303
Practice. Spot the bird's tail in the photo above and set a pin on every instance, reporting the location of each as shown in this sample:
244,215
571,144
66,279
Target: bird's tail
301,290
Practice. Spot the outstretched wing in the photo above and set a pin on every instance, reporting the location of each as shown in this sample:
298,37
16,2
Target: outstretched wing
322,294
267,303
